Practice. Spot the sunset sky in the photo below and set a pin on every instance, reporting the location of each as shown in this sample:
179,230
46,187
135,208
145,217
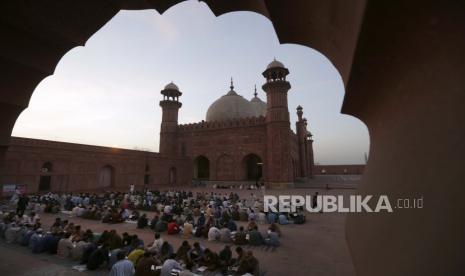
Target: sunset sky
107,92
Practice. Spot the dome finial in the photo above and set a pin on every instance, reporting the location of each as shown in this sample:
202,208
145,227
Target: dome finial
255,92
232,85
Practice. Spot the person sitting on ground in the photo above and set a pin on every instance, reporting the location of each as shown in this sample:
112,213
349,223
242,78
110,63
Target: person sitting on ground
275,228
65,246
187,230
173,228
225,235
157,243
272,239
196,253
166,250
142,222
232,226
249,264
240,238
126,239
282,219
98,257
154,222
122,267
251,225
169,265
210,260
181,254
114,240
161,226
146,265
135,254
225,259
214,234
255,237
201,220
135,243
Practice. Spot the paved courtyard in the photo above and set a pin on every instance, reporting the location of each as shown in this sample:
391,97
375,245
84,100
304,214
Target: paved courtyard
316,248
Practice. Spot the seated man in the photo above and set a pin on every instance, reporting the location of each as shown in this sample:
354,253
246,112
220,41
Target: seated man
225,235
282,219
136,254
142,222
196,253
187,230
122,266
249,264
157,243
98,257
210,260
272,239
255,237
173,228
240,238
181,254
169,266
214,234
146,264
225,259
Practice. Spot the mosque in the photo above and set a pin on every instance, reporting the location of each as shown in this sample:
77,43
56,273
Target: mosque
240,141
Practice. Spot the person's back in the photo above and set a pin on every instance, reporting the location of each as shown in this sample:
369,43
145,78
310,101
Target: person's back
122,267
168,266
241,237
255,237
214,234
135,255
146,265
187,231
97,258
225,235
273,239
142,222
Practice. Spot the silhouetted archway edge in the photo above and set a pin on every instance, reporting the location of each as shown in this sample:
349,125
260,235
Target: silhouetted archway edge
406,65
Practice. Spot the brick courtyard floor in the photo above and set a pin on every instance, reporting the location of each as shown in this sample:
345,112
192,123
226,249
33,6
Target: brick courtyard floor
316,248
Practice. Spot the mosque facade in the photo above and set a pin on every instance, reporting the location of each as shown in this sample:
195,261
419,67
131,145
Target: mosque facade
240,139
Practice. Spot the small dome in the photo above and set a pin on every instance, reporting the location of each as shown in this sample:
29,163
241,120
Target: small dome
258,106
275,64
172,86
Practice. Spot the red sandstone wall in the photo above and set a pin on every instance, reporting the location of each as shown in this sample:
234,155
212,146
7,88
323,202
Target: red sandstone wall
77,167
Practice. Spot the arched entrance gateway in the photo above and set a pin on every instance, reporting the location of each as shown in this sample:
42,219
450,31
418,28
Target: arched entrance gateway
45,177
375,60
253,167
106,177
201,168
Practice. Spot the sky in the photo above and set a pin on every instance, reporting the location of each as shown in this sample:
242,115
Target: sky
107,92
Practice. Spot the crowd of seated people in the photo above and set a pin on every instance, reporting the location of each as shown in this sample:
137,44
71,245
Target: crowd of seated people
122,255
213,216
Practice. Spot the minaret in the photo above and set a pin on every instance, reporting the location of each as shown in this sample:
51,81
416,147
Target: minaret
309,152
301,130
169,122
279,163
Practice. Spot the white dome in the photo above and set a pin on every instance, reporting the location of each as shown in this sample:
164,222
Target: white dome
172,86
258,106
229,106
275,64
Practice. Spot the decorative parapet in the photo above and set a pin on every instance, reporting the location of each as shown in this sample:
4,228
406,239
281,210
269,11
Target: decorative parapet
231,123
